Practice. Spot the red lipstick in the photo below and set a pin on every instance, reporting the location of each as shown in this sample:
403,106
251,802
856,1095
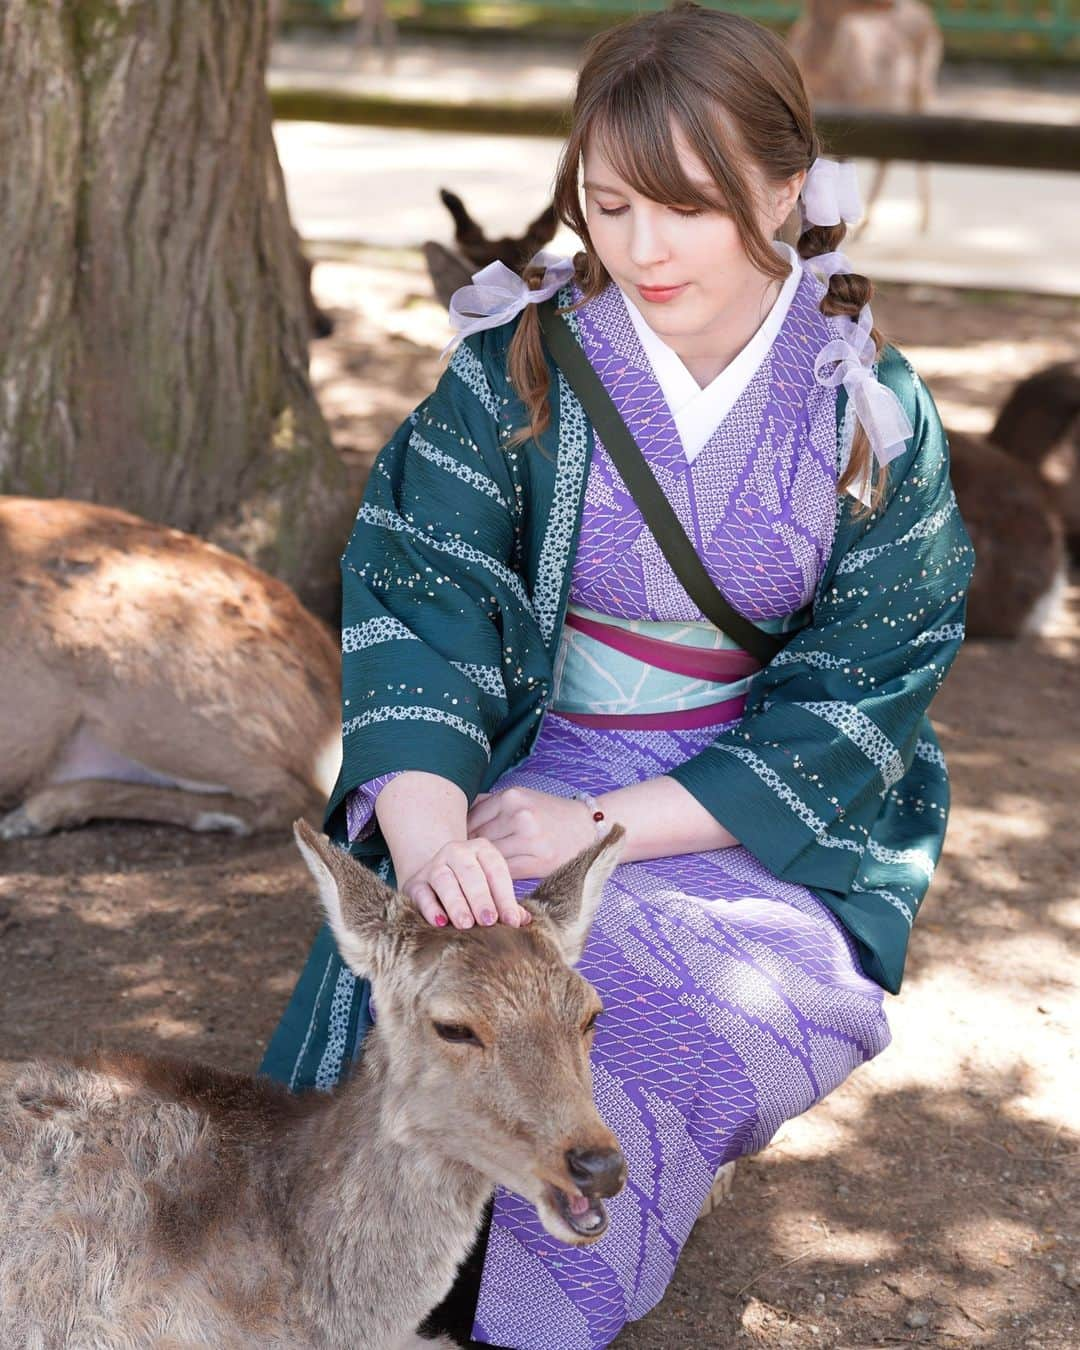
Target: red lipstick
659,295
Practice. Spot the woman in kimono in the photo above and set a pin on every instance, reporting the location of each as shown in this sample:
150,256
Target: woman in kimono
521,666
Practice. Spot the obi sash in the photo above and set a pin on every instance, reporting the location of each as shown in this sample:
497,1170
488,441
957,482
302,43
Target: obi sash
643,674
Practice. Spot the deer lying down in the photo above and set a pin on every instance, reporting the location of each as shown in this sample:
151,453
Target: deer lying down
1040,424
149,675
147,1202
1021,566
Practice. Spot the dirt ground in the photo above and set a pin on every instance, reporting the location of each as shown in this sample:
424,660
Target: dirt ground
933,1199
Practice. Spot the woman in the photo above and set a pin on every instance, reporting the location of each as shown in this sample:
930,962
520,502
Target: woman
521,666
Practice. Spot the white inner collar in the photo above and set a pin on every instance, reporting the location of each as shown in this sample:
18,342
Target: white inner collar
698,412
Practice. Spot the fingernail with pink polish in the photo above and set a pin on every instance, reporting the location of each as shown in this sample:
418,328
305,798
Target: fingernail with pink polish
488,917
441,920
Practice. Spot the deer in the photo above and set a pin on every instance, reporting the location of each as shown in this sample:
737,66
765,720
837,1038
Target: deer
451,270
149,675
1021,566
1039,424
880,54
151,1202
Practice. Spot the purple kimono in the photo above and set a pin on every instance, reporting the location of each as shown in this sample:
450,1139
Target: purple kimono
733,1001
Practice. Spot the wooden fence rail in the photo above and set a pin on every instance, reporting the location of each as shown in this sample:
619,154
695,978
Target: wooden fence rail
945,140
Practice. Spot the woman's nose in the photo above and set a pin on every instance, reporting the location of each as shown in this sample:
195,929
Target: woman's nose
647,244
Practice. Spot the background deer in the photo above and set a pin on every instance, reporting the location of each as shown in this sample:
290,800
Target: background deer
1040,425
450,269
149,675
882,54
150,1202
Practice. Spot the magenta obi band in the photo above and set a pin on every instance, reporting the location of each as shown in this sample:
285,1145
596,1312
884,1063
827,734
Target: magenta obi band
648,675
720,664
684,719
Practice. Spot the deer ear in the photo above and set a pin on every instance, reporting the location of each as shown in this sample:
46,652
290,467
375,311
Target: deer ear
361,909
568,898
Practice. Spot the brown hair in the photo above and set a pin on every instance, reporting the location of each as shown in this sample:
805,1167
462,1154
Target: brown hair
736,93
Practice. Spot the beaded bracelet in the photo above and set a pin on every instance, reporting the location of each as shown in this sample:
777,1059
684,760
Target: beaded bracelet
599,819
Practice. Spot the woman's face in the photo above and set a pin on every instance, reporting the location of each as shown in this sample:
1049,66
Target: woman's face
685,269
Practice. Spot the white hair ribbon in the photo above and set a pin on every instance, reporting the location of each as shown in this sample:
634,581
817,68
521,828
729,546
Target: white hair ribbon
497,294
878,409
829,265
830,193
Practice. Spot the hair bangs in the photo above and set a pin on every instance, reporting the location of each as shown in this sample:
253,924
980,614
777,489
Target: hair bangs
636,133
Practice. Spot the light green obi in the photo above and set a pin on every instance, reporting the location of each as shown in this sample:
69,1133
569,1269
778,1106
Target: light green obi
610,667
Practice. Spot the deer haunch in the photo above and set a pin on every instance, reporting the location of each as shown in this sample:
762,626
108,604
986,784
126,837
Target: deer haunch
150,675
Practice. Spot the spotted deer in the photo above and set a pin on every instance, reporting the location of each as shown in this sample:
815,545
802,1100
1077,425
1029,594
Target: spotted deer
880,54
147,1202
149,675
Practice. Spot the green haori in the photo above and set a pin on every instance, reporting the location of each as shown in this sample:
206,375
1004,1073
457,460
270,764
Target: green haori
456,581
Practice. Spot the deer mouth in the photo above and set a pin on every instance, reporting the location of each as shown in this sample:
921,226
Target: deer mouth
582,1214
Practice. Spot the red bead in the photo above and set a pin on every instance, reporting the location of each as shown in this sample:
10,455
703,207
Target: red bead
598,815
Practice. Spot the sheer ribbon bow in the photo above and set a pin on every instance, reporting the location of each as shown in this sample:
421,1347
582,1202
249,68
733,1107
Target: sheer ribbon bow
497,294
830,193
852,360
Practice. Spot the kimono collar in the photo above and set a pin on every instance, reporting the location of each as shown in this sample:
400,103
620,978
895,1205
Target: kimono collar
698,411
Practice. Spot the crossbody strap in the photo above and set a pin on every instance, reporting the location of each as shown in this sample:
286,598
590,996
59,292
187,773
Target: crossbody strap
654,506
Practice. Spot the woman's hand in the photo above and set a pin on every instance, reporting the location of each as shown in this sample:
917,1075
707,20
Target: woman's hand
534,832
466,881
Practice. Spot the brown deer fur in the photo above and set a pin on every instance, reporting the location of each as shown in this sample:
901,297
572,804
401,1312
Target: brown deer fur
150,1203
451,270
1020,561
147,674
882,54
1040,424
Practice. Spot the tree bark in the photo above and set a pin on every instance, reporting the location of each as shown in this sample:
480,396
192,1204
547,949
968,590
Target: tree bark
154,349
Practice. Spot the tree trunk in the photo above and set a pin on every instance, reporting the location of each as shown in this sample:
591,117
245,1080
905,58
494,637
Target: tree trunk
154,349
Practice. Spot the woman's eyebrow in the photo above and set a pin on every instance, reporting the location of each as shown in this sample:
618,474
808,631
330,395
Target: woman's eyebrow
602,187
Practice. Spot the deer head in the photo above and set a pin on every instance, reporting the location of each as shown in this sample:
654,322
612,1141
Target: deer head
487,1032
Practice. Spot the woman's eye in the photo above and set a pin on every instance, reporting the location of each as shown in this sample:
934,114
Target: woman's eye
611,210
457,1032
688,212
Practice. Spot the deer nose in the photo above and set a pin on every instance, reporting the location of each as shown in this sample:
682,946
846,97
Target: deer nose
597,1171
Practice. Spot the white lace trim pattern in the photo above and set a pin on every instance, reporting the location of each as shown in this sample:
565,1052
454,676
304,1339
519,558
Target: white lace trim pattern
457,548
948,632
776,784
892,898
932,754
329,1070
385,628
473,477
566,500
863,733
822,660
922,529
487,678
415,713
916,857
469,369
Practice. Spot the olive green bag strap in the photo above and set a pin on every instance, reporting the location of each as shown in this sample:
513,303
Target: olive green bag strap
646,491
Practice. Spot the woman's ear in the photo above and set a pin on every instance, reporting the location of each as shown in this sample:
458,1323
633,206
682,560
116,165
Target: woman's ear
783,197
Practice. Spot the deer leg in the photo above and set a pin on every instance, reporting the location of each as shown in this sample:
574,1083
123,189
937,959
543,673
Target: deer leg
871,197
62,806
922,172
721,1189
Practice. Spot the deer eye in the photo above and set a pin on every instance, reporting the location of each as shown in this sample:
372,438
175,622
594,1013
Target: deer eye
590,1025
457,1032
